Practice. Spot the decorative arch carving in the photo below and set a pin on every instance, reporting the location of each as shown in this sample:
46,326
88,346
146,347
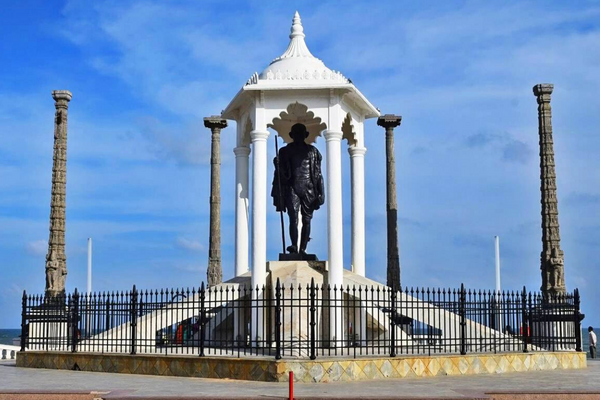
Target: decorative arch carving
348,130
298,113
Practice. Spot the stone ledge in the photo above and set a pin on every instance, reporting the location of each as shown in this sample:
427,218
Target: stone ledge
317,371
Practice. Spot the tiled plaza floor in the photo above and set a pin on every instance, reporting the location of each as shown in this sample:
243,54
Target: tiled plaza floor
13,378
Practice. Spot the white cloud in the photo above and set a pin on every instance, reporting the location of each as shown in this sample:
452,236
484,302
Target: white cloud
11,292
191,268
184,145
189,244
37,247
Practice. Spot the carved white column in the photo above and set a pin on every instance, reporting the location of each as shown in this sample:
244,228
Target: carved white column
242,219
241,209
357,170
259,223
335,232
334,207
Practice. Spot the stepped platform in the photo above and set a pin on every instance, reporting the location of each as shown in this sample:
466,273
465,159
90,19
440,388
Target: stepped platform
566,384
321,370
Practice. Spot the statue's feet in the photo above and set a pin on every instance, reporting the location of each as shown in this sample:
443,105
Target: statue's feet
292,249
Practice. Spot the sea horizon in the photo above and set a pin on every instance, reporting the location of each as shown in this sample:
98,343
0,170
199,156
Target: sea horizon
7,335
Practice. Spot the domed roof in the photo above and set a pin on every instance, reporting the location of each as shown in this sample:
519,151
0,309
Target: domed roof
297,70
297,62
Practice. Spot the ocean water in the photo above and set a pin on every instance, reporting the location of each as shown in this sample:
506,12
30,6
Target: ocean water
7,335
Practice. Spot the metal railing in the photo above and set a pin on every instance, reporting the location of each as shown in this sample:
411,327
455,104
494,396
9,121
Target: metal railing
306,321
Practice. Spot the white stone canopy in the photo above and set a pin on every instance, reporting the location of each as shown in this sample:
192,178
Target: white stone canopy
298,87
308,77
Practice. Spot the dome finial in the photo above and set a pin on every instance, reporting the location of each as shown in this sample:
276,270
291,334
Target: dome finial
297,29
297,47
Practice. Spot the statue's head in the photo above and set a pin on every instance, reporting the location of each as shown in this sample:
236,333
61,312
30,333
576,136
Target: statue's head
299,133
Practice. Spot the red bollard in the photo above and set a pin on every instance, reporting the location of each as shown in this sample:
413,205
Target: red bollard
291,385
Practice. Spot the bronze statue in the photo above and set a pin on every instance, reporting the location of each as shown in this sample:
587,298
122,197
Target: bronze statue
298,185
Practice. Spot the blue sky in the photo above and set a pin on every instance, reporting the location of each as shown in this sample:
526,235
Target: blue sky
144,74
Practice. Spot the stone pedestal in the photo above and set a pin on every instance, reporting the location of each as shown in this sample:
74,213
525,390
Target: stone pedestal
297,257
295,279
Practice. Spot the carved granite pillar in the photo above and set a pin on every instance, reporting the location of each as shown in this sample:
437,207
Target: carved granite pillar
56,260
389,122
552,257
215,271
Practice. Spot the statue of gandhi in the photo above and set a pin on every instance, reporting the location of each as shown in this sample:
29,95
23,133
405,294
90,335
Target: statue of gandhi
298,185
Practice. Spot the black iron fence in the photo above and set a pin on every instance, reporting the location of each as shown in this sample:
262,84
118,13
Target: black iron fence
302,321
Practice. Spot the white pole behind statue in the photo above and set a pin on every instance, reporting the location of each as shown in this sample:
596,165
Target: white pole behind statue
497,240
498,296
89,266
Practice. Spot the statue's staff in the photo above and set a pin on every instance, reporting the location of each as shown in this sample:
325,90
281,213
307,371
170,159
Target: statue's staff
280,192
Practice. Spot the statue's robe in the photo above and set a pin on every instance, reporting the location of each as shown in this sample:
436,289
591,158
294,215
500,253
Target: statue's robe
287,189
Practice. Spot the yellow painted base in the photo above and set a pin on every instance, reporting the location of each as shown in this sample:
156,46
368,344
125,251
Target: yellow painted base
320,370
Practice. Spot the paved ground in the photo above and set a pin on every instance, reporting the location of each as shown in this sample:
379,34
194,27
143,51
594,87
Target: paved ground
13,378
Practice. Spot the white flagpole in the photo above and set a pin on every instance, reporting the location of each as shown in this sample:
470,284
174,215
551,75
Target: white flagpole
89,266
498,289
497,264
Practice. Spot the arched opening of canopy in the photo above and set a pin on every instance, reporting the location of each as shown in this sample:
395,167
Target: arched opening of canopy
297,113
348,131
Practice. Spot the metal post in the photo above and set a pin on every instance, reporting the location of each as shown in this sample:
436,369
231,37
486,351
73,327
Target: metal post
393,323
463,319
133,323
202,318
23,320
108,327
278,320
529,324
524,324
577,320
74,321
313,323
